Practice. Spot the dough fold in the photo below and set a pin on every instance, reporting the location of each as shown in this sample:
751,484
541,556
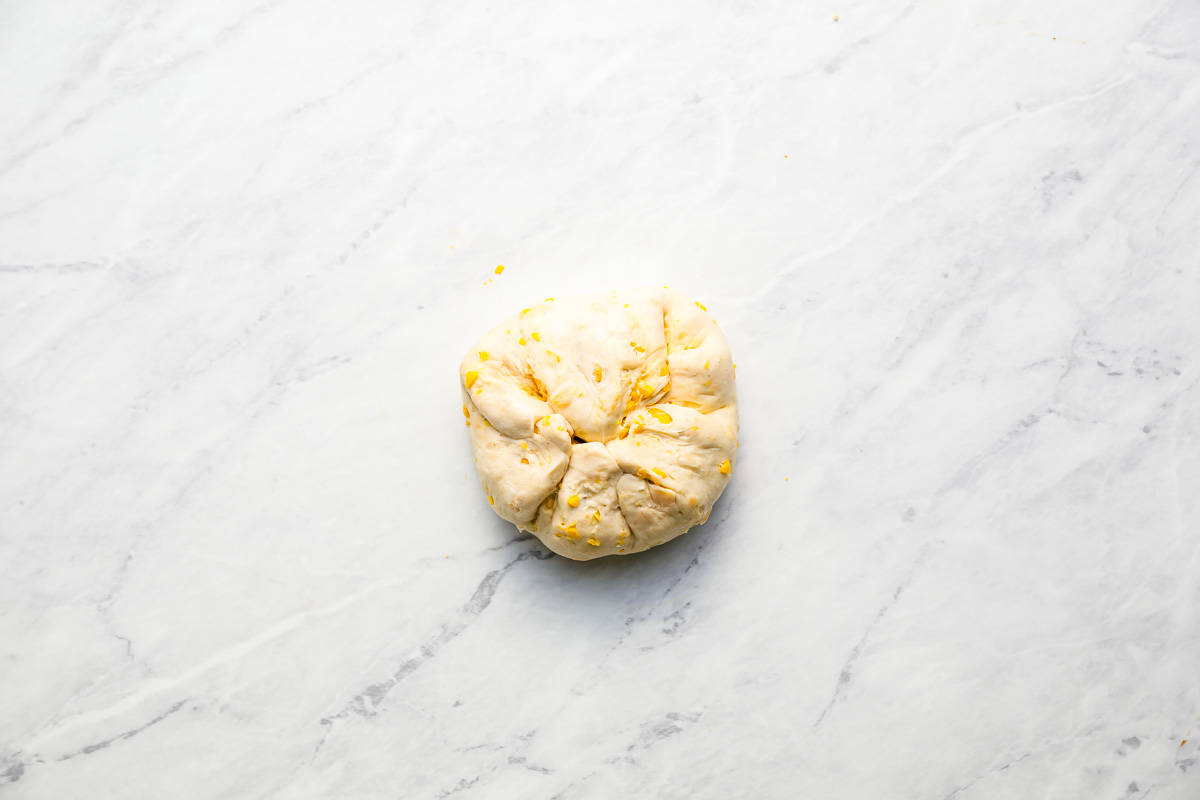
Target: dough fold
603,425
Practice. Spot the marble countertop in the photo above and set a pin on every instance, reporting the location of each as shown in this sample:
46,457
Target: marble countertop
955,250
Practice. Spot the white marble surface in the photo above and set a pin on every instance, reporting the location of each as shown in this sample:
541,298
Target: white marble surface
953,246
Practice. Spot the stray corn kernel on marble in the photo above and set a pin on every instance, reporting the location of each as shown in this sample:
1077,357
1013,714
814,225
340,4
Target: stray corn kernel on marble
617,435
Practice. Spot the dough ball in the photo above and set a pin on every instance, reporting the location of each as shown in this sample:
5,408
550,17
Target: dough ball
603,425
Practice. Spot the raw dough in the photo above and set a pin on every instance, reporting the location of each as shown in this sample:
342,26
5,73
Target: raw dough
603,425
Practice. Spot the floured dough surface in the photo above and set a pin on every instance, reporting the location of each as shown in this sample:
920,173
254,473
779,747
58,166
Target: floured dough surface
603,425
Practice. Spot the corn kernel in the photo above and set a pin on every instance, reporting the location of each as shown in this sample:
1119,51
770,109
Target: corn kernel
484,355
659,415
466,413
701,306
598,373
471,377
706,363
641,473
524,460
548,300
645,389
521,341
664,369
499,269
659,472
553,355
524,445
491,501
571,531
537,337
593,541
524,311
573,501
468,422
620,434
725,467
596,516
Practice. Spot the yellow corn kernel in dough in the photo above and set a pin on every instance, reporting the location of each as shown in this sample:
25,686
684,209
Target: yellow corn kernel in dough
725,467
598,373
524,445
548,300
659,415
706,363
596,515
593,541
573,501
524,311
491,502
521,341
499,269
524,460
484,355
664,370
630,406
659,472
621,434
571,531
701,306
471,377
638,427
553,355
466,413
468,422
641,473
537,337
645,389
